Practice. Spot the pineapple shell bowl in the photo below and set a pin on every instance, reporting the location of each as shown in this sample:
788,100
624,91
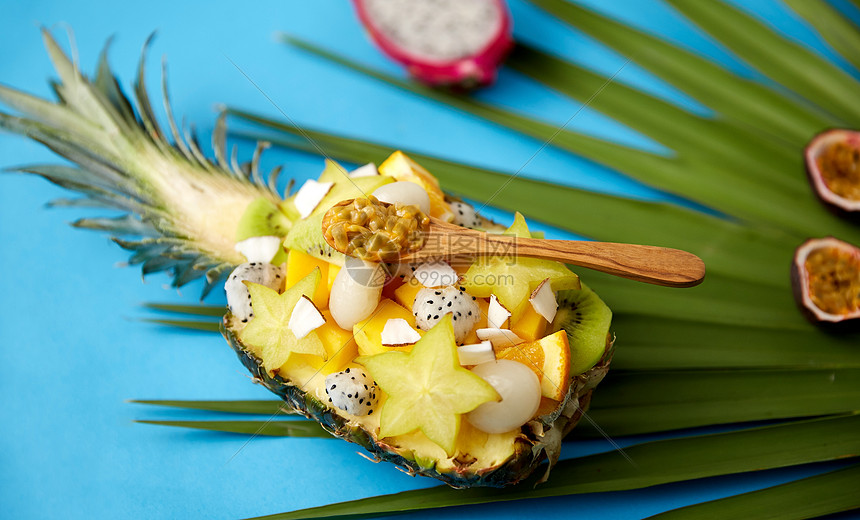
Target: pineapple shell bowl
470,372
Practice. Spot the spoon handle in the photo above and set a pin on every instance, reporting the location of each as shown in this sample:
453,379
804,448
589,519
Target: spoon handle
650,264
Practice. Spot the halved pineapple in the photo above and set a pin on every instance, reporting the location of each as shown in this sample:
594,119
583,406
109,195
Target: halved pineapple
191,211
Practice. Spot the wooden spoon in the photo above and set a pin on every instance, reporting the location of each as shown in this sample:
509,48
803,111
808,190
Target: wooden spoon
649,264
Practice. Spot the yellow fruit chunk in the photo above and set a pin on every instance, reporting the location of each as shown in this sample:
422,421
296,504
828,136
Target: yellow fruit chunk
427,388
368,332
405,294
339,345
549,358
531,325
300,265
402,168
333,269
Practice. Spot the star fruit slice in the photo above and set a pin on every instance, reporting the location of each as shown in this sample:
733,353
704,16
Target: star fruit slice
512,279
427,388
268,334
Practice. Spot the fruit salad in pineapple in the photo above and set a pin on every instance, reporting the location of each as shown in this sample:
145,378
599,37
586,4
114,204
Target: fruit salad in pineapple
468,370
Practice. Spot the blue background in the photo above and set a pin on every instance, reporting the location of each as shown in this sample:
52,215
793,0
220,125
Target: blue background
72,348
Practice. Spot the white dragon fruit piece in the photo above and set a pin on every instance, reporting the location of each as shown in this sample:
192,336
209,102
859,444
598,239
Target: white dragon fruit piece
464,215
238,297
432,304
450,43
352,391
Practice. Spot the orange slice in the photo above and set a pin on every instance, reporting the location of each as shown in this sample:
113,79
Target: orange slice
549,358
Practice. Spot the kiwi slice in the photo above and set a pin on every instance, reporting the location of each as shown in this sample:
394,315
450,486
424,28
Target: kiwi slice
306,236
585,318
262,218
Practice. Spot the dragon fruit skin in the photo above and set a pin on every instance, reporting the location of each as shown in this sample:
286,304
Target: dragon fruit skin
475,70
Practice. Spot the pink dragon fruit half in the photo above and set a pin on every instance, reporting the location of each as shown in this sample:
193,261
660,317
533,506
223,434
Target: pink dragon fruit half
443,43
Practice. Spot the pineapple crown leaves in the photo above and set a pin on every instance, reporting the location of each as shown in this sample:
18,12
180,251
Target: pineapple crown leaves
179,208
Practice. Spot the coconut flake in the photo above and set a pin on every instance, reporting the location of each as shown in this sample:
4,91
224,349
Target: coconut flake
476,353
259,249
500,338
305,318
497,314
543,301
436,274
310,195
368,170
397,332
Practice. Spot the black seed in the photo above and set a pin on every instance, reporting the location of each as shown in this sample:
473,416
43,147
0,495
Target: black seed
438,293
370,412
450,304
347,371
234,276
455,318
253,263
245,321
436,317
473,298
429,316
440,308
249,296
470,313
353,378
360,401
429,302
333,386
349,395
365,387
459,313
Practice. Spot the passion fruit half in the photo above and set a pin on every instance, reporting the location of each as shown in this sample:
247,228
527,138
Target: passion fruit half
833,166
825,275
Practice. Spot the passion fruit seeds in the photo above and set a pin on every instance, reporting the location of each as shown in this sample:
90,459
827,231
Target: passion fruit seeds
371,230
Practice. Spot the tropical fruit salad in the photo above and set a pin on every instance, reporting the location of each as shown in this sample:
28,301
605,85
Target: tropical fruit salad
467,370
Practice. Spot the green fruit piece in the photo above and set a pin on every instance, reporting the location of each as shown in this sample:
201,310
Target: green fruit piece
344,188
348,188
268,334
512,279
427,388
261,218
306,236
585,318
333,172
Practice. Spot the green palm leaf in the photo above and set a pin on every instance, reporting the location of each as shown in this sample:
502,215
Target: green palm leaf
654,463
833,492
790,64
840,33
743,160
266,428
723,188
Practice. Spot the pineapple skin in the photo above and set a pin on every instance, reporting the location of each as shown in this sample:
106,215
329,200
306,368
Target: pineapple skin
531,449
